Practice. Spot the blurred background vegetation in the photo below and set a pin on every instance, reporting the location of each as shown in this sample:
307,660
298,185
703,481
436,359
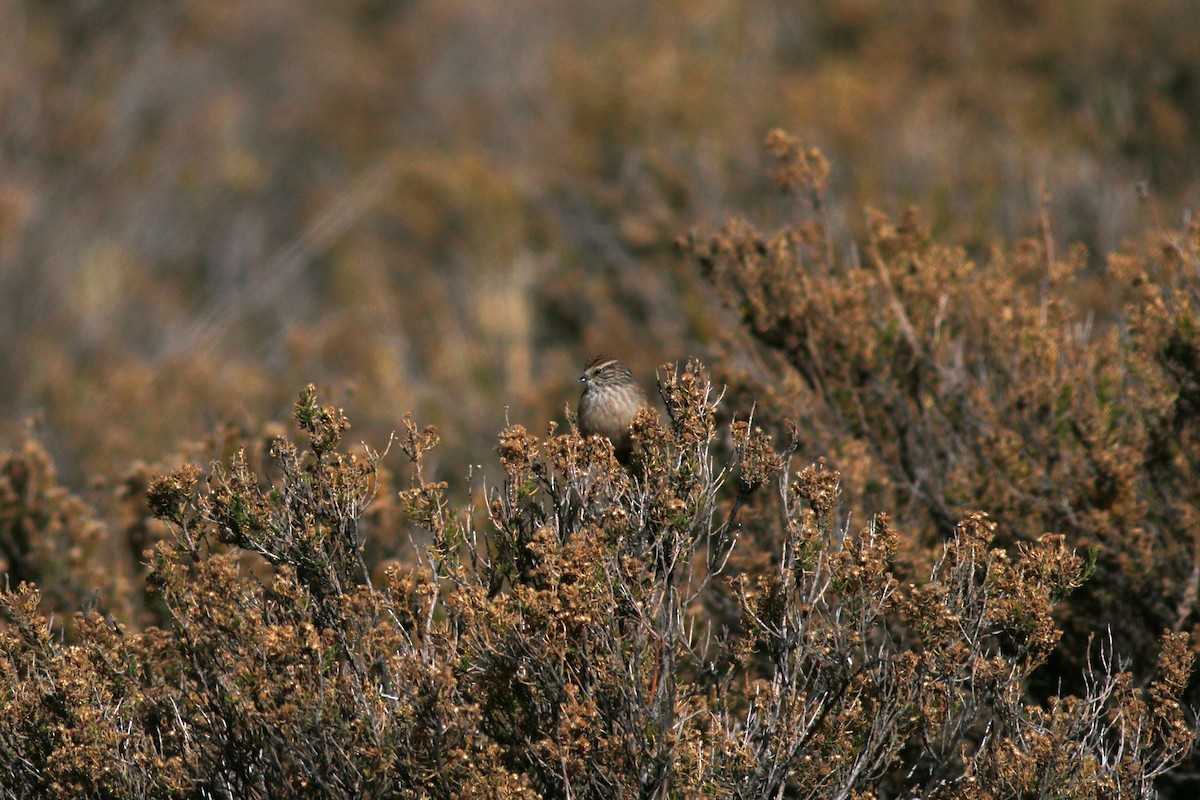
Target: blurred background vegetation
445,207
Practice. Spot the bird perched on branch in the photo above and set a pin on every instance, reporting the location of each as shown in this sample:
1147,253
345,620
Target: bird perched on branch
610,401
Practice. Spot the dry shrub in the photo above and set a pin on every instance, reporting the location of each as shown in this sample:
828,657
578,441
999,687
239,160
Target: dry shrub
52,538
584,635
947,385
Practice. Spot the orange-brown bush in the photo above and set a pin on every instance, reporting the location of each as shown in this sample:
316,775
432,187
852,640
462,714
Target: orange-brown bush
587,636
53,539
947,385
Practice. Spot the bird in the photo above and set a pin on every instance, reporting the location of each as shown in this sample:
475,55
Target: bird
610,401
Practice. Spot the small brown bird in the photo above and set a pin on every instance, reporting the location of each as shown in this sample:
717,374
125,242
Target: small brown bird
611,399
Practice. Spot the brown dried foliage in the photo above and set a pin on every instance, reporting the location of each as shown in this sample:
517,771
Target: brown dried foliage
946,384
585,636
52,538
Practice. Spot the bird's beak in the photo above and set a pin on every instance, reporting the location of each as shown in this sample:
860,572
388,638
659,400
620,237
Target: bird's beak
583,378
